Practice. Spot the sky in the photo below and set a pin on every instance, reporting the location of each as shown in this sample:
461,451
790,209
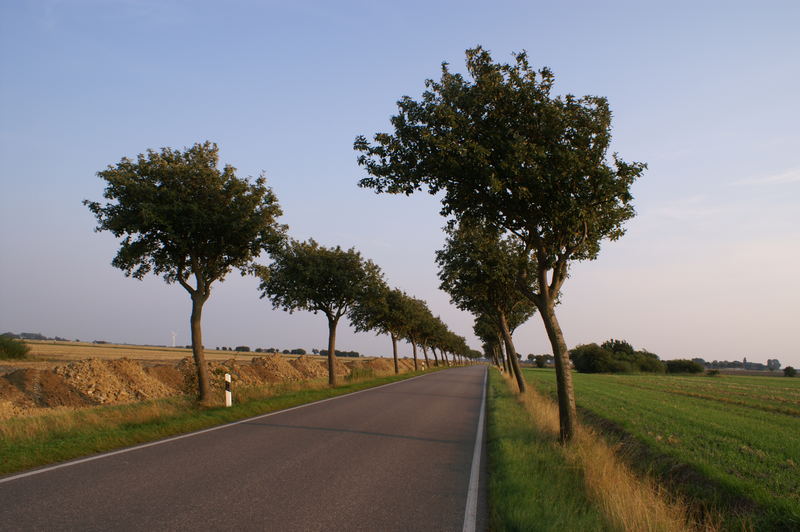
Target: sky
704,92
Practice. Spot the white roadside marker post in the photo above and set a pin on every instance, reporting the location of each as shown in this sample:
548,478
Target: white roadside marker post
228,397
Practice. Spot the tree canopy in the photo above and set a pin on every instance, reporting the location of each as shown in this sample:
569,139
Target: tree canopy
500,149
307,276
480,270
181,217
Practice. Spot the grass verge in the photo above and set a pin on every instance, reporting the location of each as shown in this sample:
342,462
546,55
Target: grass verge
532,486
36,441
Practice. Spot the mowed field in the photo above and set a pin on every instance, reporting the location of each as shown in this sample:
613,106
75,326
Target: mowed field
728,444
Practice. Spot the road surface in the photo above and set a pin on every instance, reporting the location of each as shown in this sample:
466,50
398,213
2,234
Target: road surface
397,457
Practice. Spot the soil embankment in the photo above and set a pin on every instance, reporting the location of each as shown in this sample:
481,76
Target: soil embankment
84,383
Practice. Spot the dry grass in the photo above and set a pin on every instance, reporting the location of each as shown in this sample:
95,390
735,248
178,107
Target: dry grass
629,502
55,420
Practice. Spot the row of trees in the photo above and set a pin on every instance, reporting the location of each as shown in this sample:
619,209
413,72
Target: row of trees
180,216
528,172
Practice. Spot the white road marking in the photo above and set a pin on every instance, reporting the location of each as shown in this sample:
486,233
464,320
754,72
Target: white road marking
471,512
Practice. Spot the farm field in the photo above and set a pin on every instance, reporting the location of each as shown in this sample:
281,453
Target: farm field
728,443
54,351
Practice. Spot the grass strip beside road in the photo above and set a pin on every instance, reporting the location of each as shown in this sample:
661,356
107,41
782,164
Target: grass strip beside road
531,485
47,439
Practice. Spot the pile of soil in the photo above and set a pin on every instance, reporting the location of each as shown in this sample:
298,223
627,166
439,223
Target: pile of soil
42,388
113,381
382,366
310,368
275,368
406,364
92,382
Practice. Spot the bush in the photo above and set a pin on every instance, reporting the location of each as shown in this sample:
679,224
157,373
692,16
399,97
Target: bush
593,358
684,366
12,348
242,349
712,373
789,371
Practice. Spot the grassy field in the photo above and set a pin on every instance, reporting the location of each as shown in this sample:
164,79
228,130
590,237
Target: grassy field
729,444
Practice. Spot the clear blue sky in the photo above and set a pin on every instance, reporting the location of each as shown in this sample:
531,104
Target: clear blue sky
704,92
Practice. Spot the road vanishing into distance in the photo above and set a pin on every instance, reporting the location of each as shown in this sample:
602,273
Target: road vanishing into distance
397,457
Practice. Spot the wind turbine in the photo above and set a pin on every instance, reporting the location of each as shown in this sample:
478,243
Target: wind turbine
173,338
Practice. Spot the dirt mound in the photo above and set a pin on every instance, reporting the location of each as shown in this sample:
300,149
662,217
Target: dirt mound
310,368
44,388
340,368
169,375
406,364
275,368
382,365
113,381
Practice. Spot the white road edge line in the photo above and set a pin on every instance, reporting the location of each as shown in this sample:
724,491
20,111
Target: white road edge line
471,512
196,433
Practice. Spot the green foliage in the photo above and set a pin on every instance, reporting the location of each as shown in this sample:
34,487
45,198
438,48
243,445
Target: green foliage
684,366
618,346
480,271
524,160
541,360
789,371
180,216
243,348
12,348
593,358
307,276
712,373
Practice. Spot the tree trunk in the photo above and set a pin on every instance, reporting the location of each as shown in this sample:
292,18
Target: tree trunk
414,348
203,390
425,352
568,418
394,350
332,322
435,358
511,351
444,358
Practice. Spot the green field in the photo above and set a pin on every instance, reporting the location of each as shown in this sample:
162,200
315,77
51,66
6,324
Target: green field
730,444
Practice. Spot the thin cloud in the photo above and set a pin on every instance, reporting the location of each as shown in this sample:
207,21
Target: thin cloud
789,176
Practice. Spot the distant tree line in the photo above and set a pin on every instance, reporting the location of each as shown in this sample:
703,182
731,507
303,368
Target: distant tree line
33,336
352,354
773,364
619,356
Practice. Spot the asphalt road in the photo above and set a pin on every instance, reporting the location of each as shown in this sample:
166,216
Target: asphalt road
397,457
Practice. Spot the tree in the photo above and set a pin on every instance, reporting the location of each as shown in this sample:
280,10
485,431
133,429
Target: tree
789,371
683,365
479,270
181,217
307,276
500,149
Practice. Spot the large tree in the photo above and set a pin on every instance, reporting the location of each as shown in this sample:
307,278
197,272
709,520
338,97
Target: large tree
181,217
307,276
386,312
479,270
500,149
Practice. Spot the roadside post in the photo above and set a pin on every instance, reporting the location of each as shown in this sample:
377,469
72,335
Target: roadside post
228,397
